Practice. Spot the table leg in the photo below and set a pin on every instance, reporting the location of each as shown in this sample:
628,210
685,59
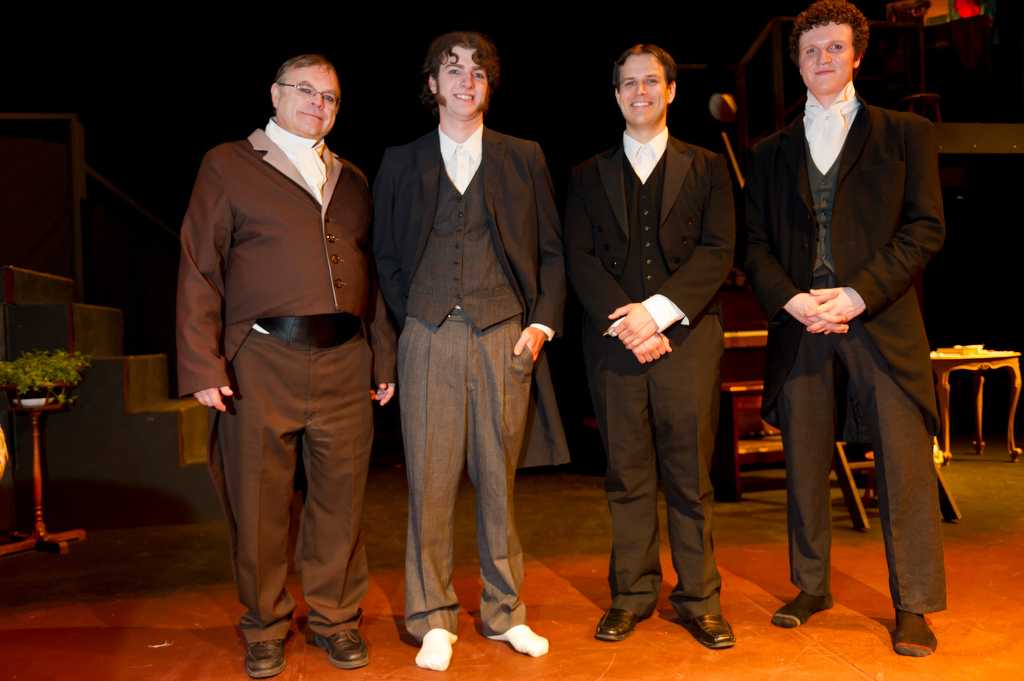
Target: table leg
944,414
1010,444
979,392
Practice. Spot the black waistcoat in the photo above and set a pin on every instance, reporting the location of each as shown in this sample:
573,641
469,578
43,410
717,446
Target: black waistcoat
645,269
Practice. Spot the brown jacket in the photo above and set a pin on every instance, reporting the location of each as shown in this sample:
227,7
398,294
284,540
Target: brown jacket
256,243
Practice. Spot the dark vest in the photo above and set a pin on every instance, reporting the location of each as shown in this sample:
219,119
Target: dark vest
460,265
823,193
645,269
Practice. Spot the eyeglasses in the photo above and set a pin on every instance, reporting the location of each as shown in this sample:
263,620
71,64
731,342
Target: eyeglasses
330,99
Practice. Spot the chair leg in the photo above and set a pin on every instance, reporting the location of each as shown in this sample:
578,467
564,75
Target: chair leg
947,503
858,516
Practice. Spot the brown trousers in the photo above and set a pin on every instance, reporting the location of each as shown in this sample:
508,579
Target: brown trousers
286,395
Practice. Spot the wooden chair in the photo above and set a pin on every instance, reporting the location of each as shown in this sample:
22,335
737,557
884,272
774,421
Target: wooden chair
743,438
850,458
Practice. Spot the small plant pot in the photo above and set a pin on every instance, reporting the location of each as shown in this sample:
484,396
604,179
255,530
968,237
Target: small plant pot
29,402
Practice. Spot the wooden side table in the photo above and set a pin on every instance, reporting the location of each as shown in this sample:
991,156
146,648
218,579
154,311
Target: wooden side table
40,539
945,363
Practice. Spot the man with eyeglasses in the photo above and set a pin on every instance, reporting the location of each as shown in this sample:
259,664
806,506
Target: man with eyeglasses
467,239
277,298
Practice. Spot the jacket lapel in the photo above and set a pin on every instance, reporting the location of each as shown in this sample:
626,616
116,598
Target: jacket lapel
855,141
334,170
609,166
491,164
678,160
428,159
278,160
794,146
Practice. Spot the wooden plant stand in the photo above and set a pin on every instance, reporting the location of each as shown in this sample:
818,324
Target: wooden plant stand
40,539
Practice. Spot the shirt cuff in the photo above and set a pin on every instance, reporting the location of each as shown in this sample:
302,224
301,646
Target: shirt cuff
548,331
664,312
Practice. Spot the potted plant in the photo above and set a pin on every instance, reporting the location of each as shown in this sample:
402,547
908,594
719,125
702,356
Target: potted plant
43,377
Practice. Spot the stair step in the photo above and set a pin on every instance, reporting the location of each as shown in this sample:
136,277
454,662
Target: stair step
92,329
19,286
145,381
193,429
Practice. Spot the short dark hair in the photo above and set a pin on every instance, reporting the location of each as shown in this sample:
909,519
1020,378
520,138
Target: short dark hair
663,57
441,52
302,61
825,12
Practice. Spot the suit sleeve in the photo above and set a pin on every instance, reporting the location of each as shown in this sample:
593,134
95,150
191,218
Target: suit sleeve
382,339
772,285
890,272
550,305
596,288
695,283
205,241
386,251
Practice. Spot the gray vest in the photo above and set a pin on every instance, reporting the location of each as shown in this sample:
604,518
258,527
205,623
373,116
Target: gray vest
460,265
823,193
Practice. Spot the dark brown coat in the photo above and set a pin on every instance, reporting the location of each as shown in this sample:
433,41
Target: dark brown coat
255,243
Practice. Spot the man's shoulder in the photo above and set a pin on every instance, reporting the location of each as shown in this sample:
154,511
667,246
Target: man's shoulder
230,152
890,119
590,164
349,166
509,141
698,151
416,146
772,142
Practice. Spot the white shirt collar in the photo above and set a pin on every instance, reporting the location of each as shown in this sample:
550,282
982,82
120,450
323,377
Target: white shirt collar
473,146
657,146
289,141
845,103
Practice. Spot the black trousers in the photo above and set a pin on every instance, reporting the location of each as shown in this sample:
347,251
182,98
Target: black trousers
662,419
907,489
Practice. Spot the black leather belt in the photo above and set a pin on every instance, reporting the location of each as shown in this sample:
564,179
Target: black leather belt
316,331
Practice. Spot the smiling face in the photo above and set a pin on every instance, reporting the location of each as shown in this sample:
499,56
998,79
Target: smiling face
461,87
311,118
643,96
827,60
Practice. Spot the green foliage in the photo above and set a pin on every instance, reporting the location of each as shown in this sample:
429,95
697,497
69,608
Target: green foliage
49,373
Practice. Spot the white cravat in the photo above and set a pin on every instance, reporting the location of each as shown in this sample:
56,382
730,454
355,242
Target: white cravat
643,157
462,159
305,154
826,128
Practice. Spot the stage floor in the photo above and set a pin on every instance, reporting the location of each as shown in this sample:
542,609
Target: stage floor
159,603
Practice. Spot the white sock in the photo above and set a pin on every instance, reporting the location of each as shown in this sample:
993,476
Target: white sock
436,650
524,640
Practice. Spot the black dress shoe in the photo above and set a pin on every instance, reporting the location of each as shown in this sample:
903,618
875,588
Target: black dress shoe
615,625
264,659
711,631
345,650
